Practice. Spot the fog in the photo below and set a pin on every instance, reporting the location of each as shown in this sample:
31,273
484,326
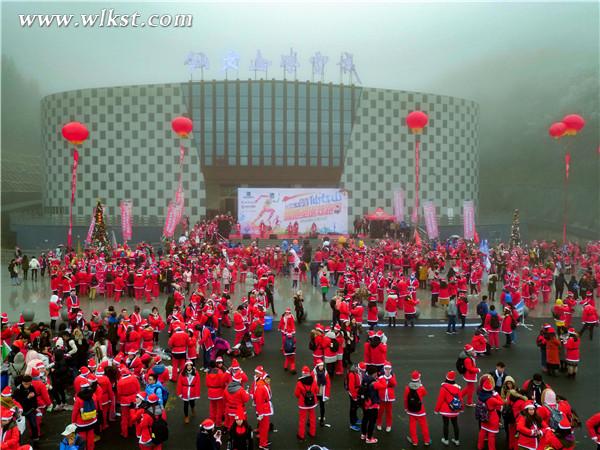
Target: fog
527,64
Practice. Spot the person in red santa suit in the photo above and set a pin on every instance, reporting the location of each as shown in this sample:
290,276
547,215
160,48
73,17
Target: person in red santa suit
147,336
151,412
493,403
306,392
120,284
85,414
289,352
387,396
375,351
589,319
449,408
128,387
264,408
188,389
414,405
287,325
235,397
107,400
470,374
238,325
11,436
215,385
178,343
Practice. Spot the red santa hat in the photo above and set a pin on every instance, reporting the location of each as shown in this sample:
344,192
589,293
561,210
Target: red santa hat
7,414
35,373
142,395
124,372
84,371
415,375
319,362
100,371
572,331
451,376
92,378
387,364
528,404
305,372
91,363
207,424
235,365
259,370
152,399
95,313
487,385
21,320
550,330
240,414
6,392
362,365
468,348
84,385
4,317
546,326
219,359
238,377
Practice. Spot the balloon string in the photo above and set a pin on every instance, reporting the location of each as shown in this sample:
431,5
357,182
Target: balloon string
73,189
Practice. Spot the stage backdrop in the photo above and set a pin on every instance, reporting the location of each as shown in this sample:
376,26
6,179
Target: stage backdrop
277,208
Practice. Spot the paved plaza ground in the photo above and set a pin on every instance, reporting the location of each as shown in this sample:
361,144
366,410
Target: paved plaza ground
426,348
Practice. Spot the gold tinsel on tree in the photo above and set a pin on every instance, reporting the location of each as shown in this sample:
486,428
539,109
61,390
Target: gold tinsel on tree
100,235
515,231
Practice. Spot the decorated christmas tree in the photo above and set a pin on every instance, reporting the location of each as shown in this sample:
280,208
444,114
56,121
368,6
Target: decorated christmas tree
515,231
99,235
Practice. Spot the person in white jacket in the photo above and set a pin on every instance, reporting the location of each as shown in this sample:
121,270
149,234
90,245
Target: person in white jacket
34,265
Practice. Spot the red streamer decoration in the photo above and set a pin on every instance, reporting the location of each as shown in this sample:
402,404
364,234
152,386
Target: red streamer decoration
73,189
415,213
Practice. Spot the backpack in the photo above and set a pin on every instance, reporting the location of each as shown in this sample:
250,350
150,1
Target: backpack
88,412
289,346
414,401
309,398
460,365
165,394
556,416
160,430
494,322
335,345
482,413
455,404
258,331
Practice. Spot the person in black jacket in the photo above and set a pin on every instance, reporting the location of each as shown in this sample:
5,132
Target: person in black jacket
26,396
240,434
499,375
60,374
559,285
206,439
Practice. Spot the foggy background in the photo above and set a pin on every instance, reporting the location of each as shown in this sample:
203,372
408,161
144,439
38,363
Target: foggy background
527,64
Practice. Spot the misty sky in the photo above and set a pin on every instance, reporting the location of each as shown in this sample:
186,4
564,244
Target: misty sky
400,46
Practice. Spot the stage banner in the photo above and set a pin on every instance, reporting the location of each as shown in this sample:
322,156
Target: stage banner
170,221
430,220
469,220
280,209
399,205
126,208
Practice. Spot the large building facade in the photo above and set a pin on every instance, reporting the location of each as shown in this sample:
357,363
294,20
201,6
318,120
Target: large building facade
262,133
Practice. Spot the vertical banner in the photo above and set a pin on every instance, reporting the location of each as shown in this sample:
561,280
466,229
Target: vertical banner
469,220
170,225
399,205
88,239
430,220
126,222
415,212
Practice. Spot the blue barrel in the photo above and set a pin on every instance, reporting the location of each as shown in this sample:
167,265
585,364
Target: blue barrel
268,323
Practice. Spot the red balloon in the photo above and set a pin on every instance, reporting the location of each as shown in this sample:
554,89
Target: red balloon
557,130
75,132
574,123
416,121
182,126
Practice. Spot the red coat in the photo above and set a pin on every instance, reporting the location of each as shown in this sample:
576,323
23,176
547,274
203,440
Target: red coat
375,355
262,399
157,322
302,388
572,349
471,370
421,392
479,343
528,436
506,325
127,389
353,384
178,342
447,392
41,389
215,384
235,401
593,426
387,392
188,386
108,394
589,314
11,439
493,404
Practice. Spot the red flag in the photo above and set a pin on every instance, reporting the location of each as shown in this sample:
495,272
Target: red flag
476,237
417,238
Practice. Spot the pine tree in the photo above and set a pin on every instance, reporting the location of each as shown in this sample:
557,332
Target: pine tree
99,235
515,231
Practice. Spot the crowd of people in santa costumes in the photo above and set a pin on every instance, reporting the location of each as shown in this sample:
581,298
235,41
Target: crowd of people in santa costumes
123,376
